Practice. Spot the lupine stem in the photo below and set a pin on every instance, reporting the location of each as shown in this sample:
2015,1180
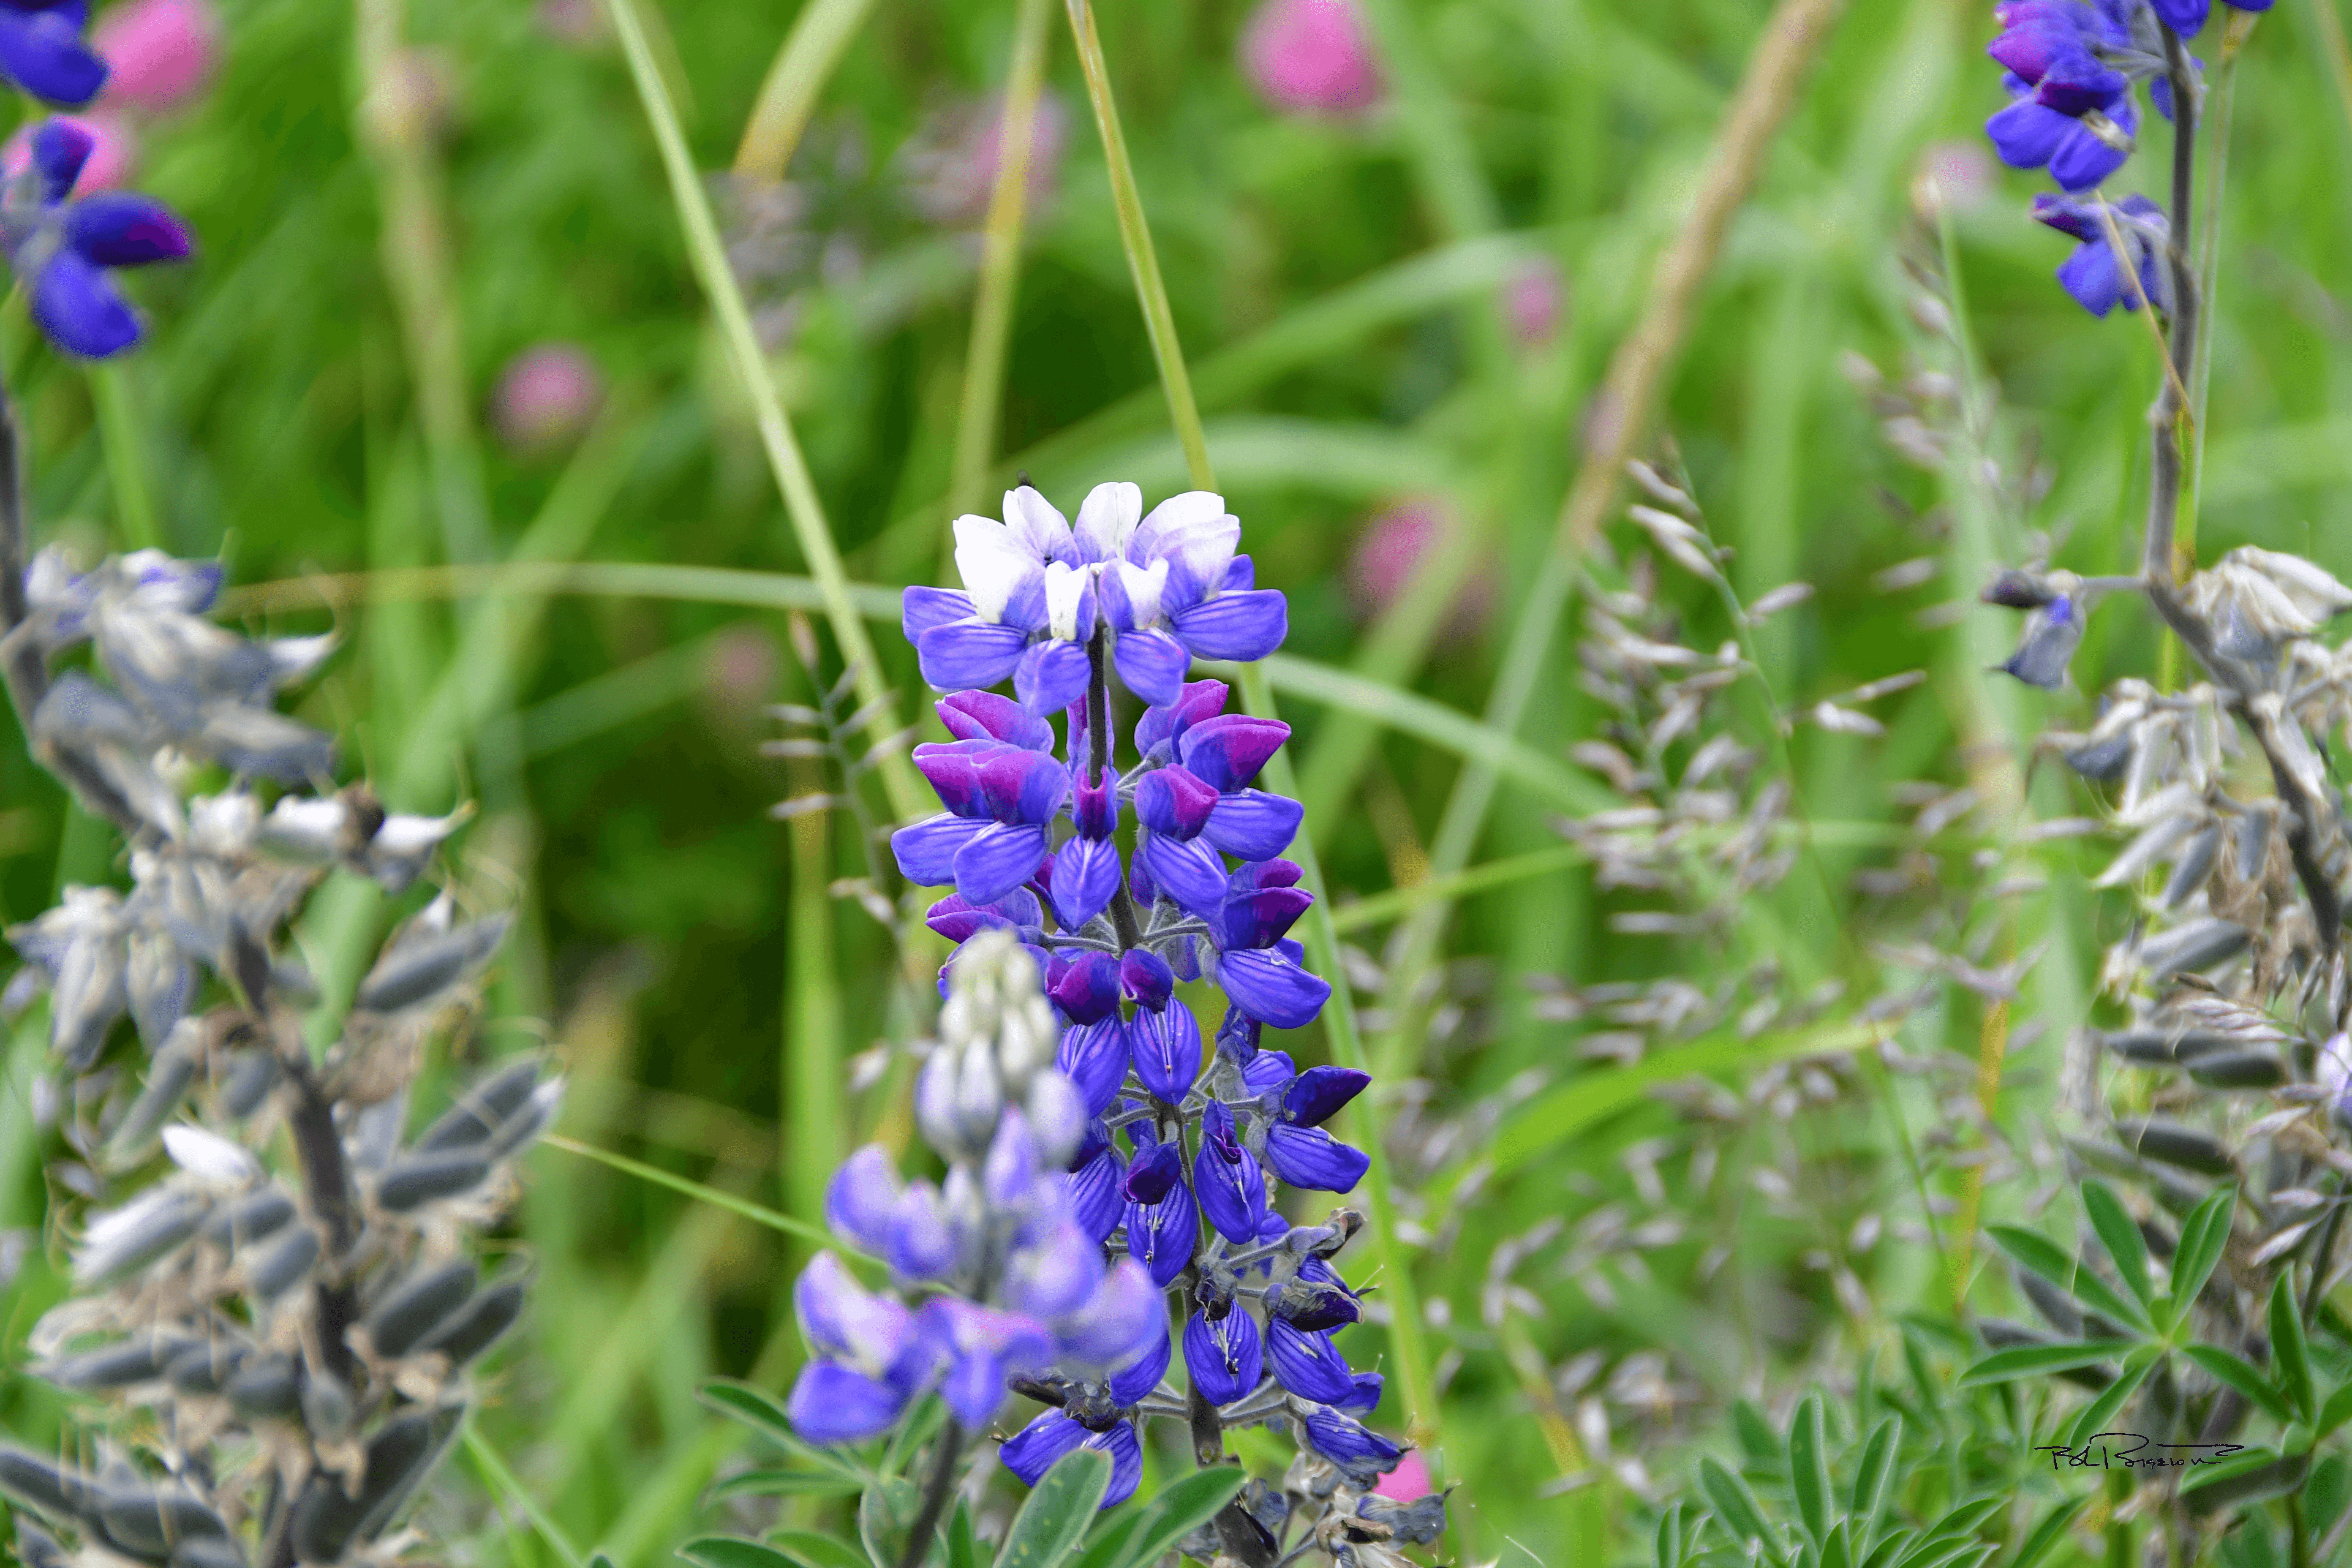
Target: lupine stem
935,1496
791,468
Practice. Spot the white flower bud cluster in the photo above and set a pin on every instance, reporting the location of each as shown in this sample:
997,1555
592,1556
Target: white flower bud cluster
997,1039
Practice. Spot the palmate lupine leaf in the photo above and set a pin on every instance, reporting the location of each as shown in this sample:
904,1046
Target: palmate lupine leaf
1809,1470
2238,1372
2033,1360
2100,1411
2037,1252
2049,1533
1054,1519
2119,1234
2289,1353
2204,1236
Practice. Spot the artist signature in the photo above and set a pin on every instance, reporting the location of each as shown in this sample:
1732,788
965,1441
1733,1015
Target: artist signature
2108,1450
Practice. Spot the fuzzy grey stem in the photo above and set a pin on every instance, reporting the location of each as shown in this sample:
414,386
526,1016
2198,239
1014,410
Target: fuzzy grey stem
935,1497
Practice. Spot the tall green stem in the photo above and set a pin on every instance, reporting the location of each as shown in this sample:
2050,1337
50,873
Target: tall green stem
1142,261
1322,942
1000,261
709,252
121,433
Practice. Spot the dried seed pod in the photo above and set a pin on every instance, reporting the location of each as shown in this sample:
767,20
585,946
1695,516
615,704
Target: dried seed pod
418,1180
418,1304
2166,1047
37,1548
482,1110
146,1523
205,1369
2053,1303
250,1078
254,1218
168,1078
116,1367
2016,590
2253,845
282,1264
265,1385
2102,761
2238,1069
141,1233
479,1324
327,1519
420,972
2195,866
159,983
2200,944
39,1484
2170,1143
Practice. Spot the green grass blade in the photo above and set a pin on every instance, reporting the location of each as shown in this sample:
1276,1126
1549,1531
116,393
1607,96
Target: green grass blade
123,437
744,1207
821,35
500,1478
709,252
1382,908
1143,260
1000,263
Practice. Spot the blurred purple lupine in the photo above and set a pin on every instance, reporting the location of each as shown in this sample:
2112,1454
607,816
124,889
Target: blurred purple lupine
63,248
1069,1052
42,50
2093,275
1311,56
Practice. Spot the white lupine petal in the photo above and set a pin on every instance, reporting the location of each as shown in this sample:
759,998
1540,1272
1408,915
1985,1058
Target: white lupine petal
1107,519
992,563
1065,587
1142,584
208,1155
1179,514
1037,523
1206,548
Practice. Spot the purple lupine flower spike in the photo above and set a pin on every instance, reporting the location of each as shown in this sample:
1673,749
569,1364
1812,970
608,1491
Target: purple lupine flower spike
64,249
1092,1133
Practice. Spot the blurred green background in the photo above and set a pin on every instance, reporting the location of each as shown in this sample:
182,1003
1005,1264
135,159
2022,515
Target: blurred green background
1396,315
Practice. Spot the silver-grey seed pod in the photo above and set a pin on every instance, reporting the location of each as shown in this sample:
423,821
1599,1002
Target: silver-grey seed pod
265,1385
251,1076
2253,845
2166,1047
2200,944
2172,1145
2056,1308
326,1520
160,983
251,1218
2194,867
2240,1069
205,1369
418,1305
479,1324
146,1523
420,1179
424,971
282,1264
481,1110
2102,761
39,1484
116,1367
326,1405
1418,1521
154,1234
168,1079
533,1118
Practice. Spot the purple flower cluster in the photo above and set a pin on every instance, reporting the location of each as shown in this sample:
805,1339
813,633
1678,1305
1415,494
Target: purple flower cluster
1100,888
64,249
2074,72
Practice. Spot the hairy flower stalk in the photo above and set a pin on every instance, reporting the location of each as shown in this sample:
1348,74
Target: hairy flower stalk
1100,1152
278,1350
